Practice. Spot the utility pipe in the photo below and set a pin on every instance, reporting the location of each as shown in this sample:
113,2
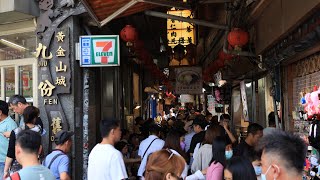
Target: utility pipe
179,18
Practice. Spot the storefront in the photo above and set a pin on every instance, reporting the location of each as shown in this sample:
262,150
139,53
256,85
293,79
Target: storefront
18,64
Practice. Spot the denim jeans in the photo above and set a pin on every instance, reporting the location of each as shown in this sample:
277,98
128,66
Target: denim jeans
1,169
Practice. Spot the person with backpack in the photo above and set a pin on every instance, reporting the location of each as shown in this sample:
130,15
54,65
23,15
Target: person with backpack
30,114
58,161
28,146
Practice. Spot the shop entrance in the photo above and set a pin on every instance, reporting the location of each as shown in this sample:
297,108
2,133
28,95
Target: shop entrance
18,65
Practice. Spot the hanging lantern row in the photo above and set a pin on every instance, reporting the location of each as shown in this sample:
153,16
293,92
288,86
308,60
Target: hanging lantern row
130,35
238,38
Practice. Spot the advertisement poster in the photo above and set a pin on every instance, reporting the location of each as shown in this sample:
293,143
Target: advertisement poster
188,80
211,104
244,101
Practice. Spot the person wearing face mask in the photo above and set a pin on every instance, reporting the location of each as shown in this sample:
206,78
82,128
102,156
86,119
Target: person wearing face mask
255,159
218,161
239,168
229,151
283,156
203,156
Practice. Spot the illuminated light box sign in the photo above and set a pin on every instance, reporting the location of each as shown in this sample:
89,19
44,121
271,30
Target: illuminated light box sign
99,51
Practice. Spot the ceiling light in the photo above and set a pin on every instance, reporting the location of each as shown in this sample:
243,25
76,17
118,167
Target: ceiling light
13,45
248,85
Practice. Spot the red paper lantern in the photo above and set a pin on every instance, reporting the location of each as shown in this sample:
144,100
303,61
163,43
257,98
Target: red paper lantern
238,38
128,34
224,56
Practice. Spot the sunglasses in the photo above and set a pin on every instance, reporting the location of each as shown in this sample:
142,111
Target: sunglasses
171,155
170,152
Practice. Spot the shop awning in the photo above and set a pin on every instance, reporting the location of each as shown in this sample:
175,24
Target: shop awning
103,11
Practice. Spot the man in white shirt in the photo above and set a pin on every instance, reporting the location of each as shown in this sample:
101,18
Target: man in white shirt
105,162
151,144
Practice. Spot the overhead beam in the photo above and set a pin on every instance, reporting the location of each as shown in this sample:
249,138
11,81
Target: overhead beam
179,18
214,1
118,12
166,3
258,10
301,55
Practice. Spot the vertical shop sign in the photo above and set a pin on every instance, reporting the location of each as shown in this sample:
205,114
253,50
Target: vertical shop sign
99,51
62,62
60,84
179,32
244,101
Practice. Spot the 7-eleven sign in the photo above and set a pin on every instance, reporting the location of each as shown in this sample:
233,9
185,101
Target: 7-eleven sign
99,50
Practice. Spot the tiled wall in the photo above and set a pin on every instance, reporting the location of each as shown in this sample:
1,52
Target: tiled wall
304,83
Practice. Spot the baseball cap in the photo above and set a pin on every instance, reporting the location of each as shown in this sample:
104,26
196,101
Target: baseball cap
62,136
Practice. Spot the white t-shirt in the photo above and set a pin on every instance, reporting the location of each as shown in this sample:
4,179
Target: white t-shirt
155,146
106,163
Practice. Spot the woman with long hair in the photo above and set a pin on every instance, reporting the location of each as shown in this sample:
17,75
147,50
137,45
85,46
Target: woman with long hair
172,142
30,115
203,156
239,168
218,161
164,165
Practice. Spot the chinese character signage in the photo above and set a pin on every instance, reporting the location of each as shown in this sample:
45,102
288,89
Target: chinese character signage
57,60
99,51
188,80
179,32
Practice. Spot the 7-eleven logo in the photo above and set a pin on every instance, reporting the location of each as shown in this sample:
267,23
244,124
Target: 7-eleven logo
104,54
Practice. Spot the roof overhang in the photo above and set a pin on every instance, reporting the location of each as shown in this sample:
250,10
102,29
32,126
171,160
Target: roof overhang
103,11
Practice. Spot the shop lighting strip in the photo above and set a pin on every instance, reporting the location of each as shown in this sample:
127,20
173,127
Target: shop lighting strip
11,44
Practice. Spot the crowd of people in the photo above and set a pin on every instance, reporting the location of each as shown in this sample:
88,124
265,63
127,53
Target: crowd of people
188,147
195,147
21,152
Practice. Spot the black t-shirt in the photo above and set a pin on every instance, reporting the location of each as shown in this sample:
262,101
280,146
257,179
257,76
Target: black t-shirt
244,149
228,140
197,138
39,122
12,140
11,147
